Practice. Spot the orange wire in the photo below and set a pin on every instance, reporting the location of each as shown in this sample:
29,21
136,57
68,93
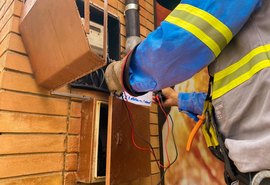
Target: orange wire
194,131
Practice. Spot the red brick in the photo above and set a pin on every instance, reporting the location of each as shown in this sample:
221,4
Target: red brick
121,7
149,25
13,101
153,118
10,9
74,126
11,26
142,20
113,3
76,109
2,4
21,82
7,5
12,42
122,19
48,179
144,31
25,143
71,162
149,8
15,61
73,144
153,130
122,30
17,165
154,140
155,179
154,108
69,178
157,153
31,123
151,2
123,41
147,15
111,9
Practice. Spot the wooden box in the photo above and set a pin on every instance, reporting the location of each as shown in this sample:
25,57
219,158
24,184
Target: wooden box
56,42
125,164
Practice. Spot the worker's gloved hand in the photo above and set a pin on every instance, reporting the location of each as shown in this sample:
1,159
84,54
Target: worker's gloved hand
170,97
117,76
114,77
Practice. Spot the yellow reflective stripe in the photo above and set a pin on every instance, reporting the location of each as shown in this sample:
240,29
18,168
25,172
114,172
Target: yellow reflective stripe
246,76
222,74
202,25
217,24
196,32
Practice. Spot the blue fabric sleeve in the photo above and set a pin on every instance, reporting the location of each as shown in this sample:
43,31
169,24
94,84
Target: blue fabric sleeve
191,103
171,54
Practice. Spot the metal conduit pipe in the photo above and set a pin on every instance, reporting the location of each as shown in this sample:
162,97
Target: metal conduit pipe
132,24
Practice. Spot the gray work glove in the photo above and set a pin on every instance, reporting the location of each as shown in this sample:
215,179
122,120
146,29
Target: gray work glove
114,77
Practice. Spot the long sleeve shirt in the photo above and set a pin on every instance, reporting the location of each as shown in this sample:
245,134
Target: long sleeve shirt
189,39
191,103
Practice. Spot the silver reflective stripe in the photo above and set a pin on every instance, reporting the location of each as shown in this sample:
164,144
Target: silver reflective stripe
203,25
241,71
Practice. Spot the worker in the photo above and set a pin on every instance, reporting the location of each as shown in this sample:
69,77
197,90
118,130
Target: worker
232,38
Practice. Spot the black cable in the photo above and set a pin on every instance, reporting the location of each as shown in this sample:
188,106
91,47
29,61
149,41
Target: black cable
176,152
174,142
138,135
150,145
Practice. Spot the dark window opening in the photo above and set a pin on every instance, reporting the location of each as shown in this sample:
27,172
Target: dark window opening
102,140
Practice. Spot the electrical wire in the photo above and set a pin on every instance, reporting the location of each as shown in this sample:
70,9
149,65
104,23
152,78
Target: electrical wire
168,123
151,149
176,152
174,142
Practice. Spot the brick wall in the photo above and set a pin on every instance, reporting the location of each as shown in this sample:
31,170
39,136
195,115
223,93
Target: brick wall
39,132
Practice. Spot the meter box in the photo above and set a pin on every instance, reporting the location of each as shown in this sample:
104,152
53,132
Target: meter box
57,43
95,37
95,80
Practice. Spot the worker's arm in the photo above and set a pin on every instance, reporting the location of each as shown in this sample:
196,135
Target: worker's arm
191,103
189,39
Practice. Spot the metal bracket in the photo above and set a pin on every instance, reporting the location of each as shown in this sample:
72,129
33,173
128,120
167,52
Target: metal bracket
69,95
258,178
131,6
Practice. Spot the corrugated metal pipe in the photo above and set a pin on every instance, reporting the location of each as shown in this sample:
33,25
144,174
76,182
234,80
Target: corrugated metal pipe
132,24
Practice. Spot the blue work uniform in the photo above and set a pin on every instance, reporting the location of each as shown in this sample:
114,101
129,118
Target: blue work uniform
232,38
188,40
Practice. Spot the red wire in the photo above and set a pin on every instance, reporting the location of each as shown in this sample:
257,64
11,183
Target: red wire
133,139
133,131
167,137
